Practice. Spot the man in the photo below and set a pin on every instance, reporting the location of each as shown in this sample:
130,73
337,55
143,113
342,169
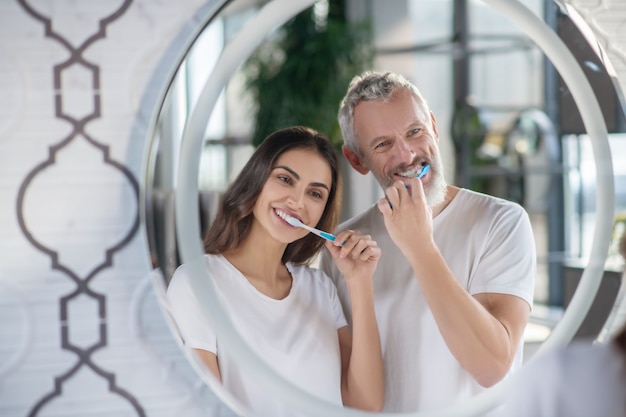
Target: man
453,288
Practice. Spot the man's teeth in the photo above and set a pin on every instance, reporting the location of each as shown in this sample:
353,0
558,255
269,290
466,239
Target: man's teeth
411,173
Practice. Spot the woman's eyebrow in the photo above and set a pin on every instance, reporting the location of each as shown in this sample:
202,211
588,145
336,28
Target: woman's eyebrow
320,184
295,174
291,171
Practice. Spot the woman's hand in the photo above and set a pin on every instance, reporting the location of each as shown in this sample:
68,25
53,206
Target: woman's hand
362,376
356,254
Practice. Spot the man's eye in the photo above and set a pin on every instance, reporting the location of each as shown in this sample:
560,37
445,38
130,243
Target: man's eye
381,145
414,132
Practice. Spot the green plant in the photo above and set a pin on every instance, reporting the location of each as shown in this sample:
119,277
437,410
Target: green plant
300,77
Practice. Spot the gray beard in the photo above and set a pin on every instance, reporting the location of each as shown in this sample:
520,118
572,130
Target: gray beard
436,191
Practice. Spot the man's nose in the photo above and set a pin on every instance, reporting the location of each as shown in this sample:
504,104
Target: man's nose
404,152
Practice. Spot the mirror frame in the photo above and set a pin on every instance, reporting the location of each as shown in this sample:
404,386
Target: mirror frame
187,223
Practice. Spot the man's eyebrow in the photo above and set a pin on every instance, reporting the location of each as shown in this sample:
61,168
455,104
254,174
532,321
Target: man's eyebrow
412,125
377,139
295,174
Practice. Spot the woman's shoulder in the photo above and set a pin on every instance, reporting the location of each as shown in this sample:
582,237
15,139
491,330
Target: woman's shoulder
182,272
310,275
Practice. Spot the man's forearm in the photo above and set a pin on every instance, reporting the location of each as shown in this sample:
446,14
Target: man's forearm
483,338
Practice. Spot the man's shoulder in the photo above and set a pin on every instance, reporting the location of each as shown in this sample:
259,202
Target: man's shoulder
363,221
486,203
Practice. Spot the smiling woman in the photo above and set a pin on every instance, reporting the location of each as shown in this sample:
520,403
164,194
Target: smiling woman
187,224
287,310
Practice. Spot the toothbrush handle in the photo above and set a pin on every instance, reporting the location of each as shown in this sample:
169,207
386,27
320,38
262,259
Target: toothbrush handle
320,233
423,171
327,236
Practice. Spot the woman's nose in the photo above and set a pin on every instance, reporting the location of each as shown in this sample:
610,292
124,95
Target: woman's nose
295,199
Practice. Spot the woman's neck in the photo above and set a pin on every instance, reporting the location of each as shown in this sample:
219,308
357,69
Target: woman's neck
259,259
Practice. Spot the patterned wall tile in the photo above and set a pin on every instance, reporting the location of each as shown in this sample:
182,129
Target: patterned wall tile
73,291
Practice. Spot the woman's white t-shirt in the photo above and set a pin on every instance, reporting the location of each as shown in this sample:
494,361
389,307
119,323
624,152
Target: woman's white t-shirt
296,336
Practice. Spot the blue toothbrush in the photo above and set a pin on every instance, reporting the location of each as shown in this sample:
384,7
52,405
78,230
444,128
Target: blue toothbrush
424,170
297,223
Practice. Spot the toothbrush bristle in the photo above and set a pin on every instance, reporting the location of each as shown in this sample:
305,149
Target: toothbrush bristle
291,220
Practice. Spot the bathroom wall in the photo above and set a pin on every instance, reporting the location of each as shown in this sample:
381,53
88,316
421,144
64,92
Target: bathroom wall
80,331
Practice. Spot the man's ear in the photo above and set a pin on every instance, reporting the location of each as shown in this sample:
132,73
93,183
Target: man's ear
434,123
354,160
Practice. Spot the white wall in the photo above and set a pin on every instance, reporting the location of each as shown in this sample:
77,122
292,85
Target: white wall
73,257
80,332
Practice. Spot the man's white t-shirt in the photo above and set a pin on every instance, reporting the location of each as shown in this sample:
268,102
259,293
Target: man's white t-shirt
488,244
296,336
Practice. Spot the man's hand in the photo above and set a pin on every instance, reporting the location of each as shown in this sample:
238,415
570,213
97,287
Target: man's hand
406,213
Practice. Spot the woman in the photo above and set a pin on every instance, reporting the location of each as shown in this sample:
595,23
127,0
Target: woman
286,310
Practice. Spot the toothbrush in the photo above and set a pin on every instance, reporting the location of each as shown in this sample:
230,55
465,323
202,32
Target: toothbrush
297,223
424,170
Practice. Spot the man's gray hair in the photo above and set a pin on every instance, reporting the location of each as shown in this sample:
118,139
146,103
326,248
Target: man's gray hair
370,86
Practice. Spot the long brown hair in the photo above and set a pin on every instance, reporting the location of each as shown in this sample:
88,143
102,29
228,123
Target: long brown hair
233,221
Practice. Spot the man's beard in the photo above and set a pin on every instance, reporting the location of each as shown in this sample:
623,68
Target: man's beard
435,190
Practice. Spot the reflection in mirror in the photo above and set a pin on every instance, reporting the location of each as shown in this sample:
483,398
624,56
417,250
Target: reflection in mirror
226,146
505,108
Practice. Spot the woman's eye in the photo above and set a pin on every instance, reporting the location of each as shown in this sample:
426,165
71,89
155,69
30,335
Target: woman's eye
284,178
317,194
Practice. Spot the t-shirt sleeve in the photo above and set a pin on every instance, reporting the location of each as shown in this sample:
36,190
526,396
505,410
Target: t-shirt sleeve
329,267
183,303
508,262
340,318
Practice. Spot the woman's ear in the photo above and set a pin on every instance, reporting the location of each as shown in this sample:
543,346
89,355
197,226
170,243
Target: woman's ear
354,160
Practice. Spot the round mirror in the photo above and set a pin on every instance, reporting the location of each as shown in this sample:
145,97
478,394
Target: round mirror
225,135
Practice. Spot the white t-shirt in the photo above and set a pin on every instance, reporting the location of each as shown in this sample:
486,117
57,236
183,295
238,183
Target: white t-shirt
580,380
488,244
297,335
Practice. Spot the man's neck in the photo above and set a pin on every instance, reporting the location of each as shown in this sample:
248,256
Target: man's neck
451,192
